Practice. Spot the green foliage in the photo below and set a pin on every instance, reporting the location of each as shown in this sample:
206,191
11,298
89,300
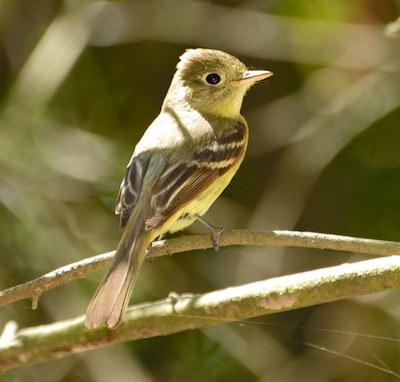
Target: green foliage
80,82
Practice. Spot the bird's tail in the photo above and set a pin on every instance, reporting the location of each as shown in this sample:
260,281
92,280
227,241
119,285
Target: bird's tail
108,305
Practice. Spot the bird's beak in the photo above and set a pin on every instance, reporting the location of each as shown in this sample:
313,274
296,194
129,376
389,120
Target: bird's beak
252,76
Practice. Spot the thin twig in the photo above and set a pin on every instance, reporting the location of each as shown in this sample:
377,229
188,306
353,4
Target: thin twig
33,289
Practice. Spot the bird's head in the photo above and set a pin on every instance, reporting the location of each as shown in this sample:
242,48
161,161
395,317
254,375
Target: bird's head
212,81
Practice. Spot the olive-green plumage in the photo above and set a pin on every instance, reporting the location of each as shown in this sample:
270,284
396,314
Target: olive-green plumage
183,162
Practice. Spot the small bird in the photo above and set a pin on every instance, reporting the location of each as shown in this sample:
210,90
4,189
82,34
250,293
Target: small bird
182,163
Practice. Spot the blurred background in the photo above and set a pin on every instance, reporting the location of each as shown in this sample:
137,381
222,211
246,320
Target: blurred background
79,83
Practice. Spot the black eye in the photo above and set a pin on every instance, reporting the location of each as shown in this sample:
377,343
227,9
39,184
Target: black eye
213,78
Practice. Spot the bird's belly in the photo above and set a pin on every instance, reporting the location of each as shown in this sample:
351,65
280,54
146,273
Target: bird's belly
199,206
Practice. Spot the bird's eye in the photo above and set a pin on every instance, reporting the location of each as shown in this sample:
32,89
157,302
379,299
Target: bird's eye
213,78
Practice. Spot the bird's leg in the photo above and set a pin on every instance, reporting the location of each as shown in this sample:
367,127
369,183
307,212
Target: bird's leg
215,231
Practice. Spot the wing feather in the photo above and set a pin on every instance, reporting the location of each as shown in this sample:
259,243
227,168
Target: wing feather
181,181
131,186
186,180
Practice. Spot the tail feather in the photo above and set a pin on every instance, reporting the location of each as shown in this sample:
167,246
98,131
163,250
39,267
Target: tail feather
108,305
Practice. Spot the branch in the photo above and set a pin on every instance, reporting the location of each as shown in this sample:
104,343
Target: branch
178,313
33,289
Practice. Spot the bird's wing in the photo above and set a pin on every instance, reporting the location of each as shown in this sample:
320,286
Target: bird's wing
182,182
131,186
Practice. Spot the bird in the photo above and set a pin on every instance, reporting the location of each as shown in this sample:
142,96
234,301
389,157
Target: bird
184,160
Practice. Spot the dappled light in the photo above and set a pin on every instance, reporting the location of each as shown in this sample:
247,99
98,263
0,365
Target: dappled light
79,84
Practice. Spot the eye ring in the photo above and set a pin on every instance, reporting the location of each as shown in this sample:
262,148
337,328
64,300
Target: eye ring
213,78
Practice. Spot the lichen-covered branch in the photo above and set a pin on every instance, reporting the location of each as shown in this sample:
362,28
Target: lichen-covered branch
183,312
